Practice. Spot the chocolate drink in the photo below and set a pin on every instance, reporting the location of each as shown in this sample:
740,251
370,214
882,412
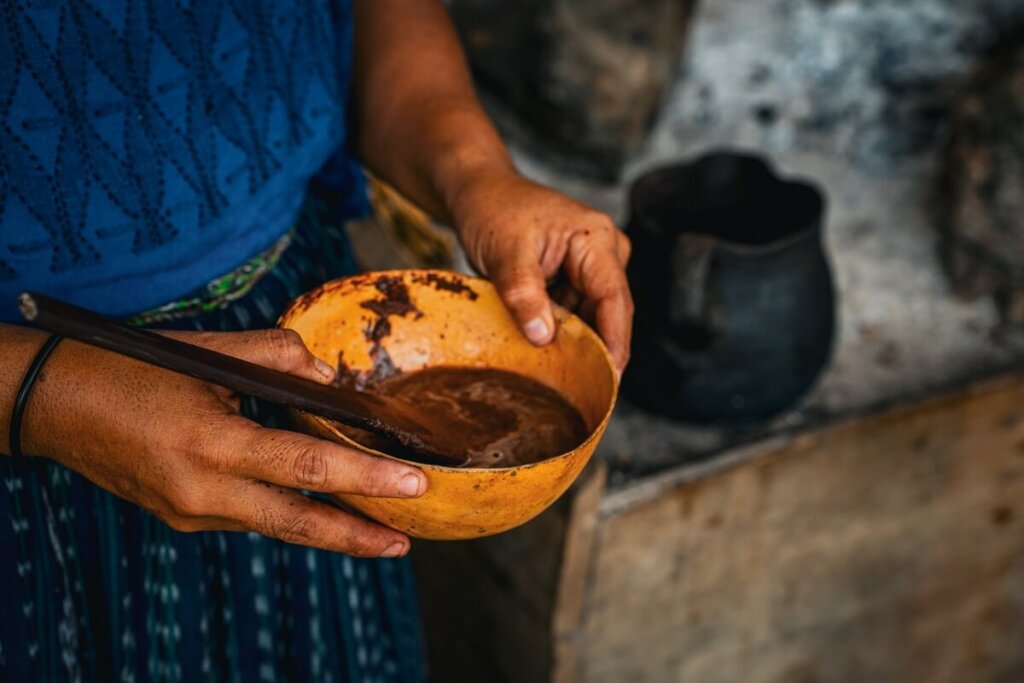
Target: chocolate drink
502,418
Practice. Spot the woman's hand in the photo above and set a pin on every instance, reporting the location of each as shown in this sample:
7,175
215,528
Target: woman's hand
421,128
178,447
521,234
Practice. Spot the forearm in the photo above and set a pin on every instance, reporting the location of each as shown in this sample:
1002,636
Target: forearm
56,420
420,125
180,448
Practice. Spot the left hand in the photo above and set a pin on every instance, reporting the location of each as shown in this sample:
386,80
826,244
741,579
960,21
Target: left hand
521,234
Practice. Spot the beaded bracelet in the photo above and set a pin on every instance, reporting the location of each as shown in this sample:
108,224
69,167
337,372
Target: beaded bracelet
31,375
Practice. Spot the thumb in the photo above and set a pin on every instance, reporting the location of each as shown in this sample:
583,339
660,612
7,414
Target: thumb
520,283
278,349
283,350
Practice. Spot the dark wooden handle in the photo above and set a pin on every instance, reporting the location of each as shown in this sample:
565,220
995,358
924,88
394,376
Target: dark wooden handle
337,403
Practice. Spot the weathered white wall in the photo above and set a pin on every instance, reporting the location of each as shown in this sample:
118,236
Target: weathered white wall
852,93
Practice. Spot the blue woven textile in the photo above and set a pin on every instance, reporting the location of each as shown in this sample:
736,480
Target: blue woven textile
149,146
95,589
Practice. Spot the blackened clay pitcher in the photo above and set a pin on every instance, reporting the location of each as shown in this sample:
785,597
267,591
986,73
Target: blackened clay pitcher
734,296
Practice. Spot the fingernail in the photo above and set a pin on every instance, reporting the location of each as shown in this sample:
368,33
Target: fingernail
324,369
395,550
537,331
410,485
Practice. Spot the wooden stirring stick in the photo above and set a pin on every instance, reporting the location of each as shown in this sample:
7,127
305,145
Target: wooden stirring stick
380,415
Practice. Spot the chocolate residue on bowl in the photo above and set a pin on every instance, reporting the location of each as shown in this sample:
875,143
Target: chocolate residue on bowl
302,303
446,283
396,301
383,368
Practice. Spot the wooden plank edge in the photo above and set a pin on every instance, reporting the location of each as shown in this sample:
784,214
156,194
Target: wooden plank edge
577,557
635,493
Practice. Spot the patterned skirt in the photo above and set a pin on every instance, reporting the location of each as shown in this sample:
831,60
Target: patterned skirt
95,589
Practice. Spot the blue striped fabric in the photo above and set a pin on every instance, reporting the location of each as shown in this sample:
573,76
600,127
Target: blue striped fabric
95,589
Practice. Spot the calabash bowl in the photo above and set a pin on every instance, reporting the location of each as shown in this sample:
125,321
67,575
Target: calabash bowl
455,320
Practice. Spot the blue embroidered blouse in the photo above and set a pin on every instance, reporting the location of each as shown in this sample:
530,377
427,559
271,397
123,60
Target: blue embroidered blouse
147,147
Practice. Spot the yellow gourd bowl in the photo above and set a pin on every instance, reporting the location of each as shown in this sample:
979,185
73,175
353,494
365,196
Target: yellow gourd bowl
461,322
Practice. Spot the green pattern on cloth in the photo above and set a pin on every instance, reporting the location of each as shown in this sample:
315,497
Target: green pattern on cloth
219,292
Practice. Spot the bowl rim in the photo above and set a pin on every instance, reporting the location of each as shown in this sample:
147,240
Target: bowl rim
309,298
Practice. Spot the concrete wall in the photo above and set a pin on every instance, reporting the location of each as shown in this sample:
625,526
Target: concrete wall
853,93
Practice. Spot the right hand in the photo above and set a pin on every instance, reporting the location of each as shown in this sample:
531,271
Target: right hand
178,446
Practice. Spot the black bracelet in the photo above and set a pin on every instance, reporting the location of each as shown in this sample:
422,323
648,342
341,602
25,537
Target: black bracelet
31,375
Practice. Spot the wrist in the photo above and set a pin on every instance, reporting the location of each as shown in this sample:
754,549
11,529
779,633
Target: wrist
24,394
471,186
20,347
49,404
468,180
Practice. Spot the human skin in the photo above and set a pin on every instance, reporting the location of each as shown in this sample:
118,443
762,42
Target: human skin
178,446
422,128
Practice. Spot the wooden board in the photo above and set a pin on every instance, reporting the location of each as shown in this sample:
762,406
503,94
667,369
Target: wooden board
889,548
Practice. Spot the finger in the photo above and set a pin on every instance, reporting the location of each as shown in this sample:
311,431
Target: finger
284,350
520,282
294,518
304,462
193,524
623,247
614,318
278,349
594,267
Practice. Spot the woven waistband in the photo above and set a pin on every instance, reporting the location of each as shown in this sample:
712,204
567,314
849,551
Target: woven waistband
219,292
